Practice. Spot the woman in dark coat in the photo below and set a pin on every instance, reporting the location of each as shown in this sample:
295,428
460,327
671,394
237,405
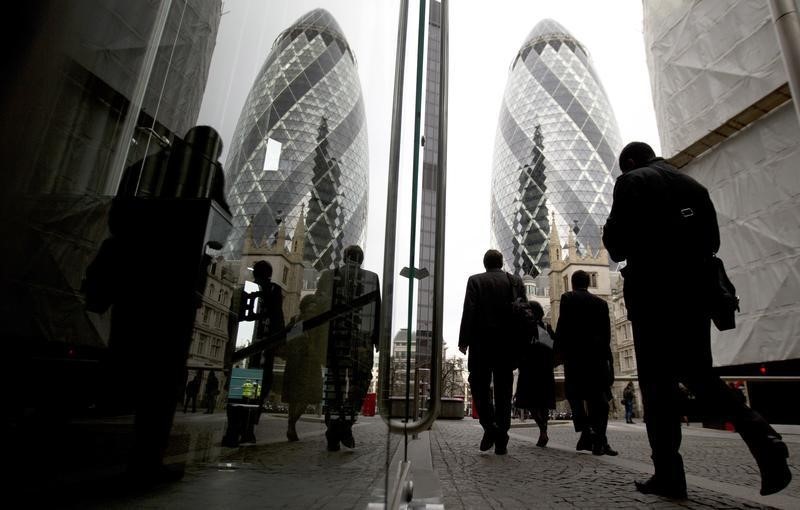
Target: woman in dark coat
302,378
536,384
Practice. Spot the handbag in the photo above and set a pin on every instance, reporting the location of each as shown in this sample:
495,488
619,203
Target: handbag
723,299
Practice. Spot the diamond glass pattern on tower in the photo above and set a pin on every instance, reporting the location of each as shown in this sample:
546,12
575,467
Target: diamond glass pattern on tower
555,151
300,145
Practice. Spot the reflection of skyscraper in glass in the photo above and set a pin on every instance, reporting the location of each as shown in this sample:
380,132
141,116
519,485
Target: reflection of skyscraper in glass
301,143
430,173
555,150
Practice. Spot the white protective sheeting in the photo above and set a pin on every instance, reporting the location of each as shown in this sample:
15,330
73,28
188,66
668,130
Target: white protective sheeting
754,181
708,60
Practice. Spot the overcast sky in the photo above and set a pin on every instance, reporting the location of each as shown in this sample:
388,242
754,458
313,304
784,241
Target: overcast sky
484,38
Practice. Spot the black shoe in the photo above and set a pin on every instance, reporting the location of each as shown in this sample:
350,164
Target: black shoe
604,450
333,439
584,443
291,435
542,442
487,441
775,474
501,446
347,438
251,439
652,486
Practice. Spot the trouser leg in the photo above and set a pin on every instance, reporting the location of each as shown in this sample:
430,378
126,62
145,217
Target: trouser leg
598,418
479,382
580,419
660,400
720,401
503,384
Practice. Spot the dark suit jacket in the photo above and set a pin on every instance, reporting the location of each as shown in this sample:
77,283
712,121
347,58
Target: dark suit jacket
661,219
583,339
356,334
486,319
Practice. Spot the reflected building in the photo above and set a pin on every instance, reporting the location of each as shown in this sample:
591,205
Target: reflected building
301,143
555,151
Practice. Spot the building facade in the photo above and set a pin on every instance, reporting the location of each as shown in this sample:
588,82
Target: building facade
555,151
301,139
210,336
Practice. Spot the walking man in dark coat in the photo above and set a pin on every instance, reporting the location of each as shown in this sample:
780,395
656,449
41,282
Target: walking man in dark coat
583,339
352,339
486,332
656,209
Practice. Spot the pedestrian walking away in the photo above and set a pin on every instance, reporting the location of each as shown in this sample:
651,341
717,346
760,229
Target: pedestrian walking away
487,334
536,384
583,341
656,208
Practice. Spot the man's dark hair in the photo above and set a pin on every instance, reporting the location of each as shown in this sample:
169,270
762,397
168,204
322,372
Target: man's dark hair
354,253
580,280
635,155
262,269
493,259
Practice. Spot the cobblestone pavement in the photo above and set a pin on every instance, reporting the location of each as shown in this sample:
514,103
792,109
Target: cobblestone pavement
275,473
559,477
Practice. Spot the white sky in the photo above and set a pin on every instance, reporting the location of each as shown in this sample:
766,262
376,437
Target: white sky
484,38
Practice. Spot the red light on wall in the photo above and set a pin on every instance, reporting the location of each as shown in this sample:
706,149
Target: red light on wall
762,370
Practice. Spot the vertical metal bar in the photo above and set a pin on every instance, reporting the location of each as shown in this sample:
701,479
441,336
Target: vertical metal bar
787,28
390,228
137,98
414,185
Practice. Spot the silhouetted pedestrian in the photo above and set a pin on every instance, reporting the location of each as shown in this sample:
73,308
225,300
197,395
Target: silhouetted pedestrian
302,378
212,390
628,395
583,340
486,332
536,384
192,389
656,211
352,338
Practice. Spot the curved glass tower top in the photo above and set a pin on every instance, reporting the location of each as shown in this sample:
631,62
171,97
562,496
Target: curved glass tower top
300,145
555,150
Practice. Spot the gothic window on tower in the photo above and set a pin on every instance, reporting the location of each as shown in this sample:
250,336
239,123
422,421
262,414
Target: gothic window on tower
285,274
593,282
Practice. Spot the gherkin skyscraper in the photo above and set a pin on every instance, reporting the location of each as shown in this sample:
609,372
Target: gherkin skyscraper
300,145
555,150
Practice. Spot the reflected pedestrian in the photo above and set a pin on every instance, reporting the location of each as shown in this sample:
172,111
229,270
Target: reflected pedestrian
212,390
302,378
486,333
352,337
192,389
657,210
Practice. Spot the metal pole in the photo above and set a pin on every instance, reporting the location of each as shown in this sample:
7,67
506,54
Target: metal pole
414,184
390,228
787,28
